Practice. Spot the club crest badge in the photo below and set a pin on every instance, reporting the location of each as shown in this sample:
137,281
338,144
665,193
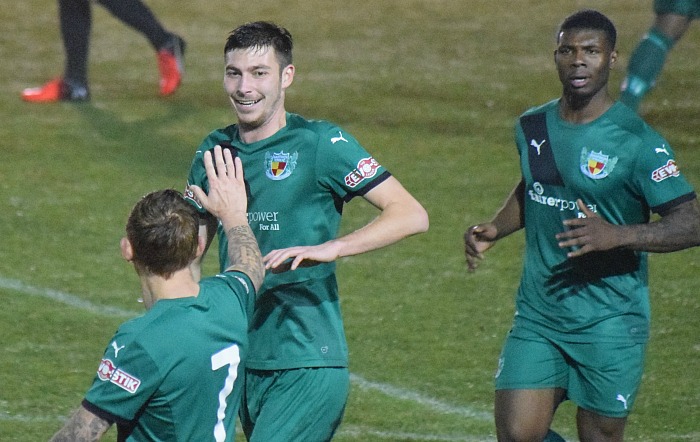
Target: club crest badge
280,165
596,165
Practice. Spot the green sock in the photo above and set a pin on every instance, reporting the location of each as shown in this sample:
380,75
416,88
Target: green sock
644,67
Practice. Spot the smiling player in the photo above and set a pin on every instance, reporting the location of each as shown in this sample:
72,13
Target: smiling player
299,174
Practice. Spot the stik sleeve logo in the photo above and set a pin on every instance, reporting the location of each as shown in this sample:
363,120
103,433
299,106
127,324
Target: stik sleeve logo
108,372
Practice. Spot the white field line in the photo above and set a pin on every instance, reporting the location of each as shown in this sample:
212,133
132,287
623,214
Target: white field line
433,404
64,298
426,401
361,383
361,433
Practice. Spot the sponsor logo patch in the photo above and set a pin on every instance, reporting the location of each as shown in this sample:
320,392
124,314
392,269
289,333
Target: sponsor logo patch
189,195
596,165
108,372
668,170
280,165
366,168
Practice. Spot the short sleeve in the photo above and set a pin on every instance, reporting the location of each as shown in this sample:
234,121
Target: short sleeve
344,166
658,176
126,378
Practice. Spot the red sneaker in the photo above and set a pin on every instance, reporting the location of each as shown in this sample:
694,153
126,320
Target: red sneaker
171,66
56,90
48,93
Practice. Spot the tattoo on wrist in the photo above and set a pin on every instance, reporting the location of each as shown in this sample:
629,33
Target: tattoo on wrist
244,253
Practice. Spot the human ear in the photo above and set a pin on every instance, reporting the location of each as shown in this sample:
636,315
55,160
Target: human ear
127,250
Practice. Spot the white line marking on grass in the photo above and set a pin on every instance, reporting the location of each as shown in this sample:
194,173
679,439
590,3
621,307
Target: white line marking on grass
4,416
407,395
65,298
362,433
360,382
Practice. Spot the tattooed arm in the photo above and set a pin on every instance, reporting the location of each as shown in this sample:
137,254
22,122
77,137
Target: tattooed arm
676,230
83,426
244,254
227,200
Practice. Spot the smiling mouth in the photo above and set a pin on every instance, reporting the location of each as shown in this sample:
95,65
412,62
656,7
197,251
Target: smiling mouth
247,102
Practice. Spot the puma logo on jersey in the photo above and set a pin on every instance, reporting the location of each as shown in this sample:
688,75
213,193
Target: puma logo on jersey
338,138
536,145
662,149
623,399
116,349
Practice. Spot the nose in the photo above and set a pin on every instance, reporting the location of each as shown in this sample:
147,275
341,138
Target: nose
579,59
243,85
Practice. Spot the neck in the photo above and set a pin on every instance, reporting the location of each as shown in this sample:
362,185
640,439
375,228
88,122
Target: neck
181,284
252,134
581,110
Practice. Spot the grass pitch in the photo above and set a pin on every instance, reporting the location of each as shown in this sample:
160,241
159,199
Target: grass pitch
430,87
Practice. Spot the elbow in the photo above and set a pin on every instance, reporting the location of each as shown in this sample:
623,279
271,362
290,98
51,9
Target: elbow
422,220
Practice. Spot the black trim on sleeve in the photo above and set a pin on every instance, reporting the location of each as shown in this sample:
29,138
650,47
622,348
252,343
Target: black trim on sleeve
102,414
375,182
124,426
665,207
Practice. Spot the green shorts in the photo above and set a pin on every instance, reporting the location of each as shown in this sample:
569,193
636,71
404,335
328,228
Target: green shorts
602,377
686,8
304,404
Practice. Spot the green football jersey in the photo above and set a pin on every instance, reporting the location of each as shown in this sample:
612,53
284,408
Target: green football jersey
171,374
298,181
622,170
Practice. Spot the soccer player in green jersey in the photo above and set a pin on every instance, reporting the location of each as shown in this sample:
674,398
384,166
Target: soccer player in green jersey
672,20
176,372
592,174
299,174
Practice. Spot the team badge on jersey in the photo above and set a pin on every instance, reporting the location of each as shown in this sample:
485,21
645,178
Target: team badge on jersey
596,165
108,372
280,165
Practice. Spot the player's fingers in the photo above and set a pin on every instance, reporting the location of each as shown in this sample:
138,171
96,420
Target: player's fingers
274,258
228,158
568,243
219,160
209,164
472,263
584,208
199,194
238,167
579,252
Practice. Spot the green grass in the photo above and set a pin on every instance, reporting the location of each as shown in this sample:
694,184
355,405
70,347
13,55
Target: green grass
430,87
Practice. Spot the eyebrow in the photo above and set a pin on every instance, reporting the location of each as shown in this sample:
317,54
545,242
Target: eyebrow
252,68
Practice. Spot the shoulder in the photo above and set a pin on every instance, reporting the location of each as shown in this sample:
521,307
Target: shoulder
321,129
225,283
543,108
629,121
216,136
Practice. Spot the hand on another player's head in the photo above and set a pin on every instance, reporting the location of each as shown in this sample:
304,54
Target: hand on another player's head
227,196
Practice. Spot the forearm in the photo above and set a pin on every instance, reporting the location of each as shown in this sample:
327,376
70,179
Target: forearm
510,217
679,229
395,222
243,251
83,426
